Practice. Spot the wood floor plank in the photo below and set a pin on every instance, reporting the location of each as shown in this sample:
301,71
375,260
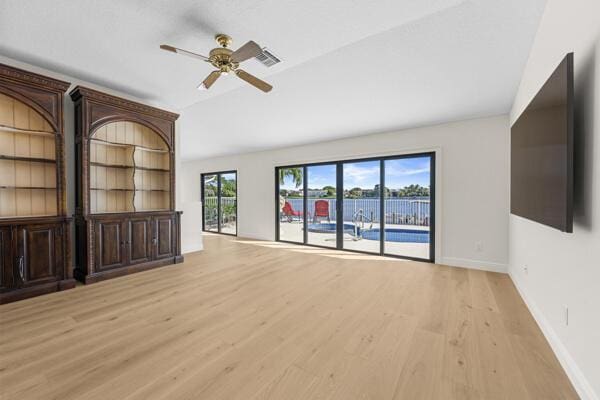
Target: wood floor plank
257,320
496,375
293,377
422,372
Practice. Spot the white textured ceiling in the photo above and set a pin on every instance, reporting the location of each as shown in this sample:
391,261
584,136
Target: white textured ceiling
462,62
114,43
350,67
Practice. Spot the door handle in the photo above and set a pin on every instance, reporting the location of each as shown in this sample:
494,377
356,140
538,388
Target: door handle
154,241
21,265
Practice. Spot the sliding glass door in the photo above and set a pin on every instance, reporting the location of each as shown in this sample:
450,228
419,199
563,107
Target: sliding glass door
228,203
407,207
219,202
379,206
290,203
361,205
321,199
210,202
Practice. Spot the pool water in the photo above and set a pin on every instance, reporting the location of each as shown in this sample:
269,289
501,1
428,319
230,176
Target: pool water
398,235
391,234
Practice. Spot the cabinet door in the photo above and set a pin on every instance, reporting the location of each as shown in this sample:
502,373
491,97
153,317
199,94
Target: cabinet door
110,239
163,239
6,264
138,243
39,253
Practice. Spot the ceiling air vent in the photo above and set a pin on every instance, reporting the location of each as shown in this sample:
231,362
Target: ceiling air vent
267,58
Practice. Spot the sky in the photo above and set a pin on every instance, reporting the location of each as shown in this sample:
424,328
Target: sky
398,174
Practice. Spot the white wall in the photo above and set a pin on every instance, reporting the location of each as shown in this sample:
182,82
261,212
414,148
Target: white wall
472,184
563,270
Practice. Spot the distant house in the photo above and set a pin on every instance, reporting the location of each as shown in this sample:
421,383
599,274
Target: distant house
315,192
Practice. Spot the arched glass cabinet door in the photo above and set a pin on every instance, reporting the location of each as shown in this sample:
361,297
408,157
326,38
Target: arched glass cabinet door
129,169
28,170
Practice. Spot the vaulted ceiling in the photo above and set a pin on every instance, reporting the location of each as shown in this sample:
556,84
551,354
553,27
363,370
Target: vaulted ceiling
349,67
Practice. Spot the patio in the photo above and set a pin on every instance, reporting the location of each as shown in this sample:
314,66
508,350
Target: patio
293,232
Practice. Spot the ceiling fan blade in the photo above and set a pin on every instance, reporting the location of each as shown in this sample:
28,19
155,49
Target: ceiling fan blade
254,81
249,50
210,79
184,52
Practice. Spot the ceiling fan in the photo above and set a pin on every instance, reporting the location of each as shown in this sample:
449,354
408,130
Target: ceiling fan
226,61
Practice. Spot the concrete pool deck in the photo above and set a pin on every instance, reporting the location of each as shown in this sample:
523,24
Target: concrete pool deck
292,231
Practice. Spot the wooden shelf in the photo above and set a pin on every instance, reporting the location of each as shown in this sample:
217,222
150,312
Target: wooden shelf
26,131
114,190
29,159
112,212
27,216
97,164
136,146
28,187
152,169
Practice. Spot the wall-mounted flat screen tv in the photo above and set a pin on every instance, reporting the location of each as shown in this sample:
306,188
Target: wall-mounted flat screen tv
541,160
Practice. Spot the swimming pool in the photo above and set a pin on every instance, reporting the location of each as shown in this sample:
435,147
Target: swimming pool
398,235
391,234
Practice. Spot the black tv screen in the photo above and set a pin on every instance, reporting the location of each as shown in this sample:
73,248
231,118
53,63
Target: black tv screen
541,161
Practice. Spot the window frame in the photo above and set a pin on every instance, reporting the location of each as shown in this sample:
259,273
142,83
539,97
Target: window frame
218,174
339,202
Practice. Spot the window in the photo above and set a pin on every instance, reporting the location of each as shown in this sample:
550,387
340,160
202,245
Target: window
342,205
219,202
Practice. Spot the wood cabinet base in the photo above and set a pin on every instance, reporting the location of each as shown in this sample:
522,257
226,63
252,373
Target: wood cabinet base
114,245
101,276
33,291
35,257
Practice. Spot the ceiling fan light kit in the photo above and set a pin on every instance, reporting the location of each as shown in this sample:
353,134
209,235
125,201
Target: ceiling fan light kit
226,61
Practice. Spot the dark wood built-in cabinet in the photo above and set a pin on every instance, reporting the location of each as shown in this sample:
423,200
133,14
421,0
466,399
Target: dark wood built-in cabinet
135,240
125,217
35,255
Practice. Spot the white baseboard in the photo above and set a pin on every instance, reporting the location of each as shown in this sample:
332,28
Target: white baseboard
474,264
580,383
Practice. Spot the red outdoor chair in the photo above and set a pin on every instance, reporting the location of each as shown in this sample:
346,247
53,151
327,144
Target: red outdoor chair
289,212
321,210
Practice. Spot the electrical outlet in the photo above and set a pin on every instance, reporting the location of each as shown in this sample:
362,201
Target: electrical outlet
566,315
525,270
478,246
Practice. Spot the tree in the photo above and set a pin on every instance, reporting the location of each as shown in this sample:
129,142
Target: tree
414,191
355,193
294,173
386,190
228,187
330,191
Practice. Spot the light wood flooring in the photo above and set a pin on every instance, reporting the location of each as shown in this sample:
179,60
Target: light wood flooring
259,320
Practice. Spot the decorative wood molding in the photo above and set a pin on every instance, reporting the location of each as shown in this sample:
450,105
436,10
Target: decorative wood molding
120,102
32,79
